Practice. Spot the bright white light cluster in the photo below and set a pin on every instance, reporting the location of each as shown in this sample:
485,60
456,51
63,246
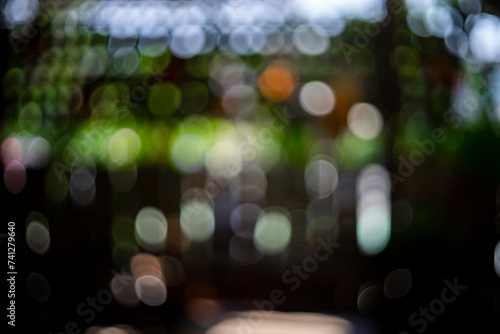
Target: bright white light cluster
189,28
468,33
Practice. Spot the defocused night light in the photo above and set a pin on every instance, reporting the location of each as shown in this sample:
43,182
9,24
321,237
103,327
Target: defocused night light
273,231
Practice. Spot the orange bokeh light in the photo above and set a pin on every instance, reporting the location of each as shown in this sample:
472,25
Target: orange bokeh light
277,81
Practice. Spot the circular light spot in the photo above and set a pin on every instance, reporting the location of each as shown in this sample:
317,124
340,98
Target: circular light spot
146,264
124,147
457,42
416,22
30,117
272,156
38,154
82,187
211,36
38,287
64,24
195,97
373,229
470,6
37,237
274,43
197,220
438,21
277,81
104,98
115,43
239,100
370,299
204,312
16,13
154,65
14,176
125,61
151,228
250,184
365,120
224,159
321,178
153,46
311,40
226,68
273,232
150,290
496,259
196,194
317,98
188,153
164,99
280,322
374,177
483,38
11,149
94,62
109,330
397,284
246,41
187,41
243,219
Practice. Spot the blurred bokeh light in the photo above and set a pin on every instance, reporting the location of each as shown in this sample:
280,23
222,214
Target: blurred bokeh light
190,158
